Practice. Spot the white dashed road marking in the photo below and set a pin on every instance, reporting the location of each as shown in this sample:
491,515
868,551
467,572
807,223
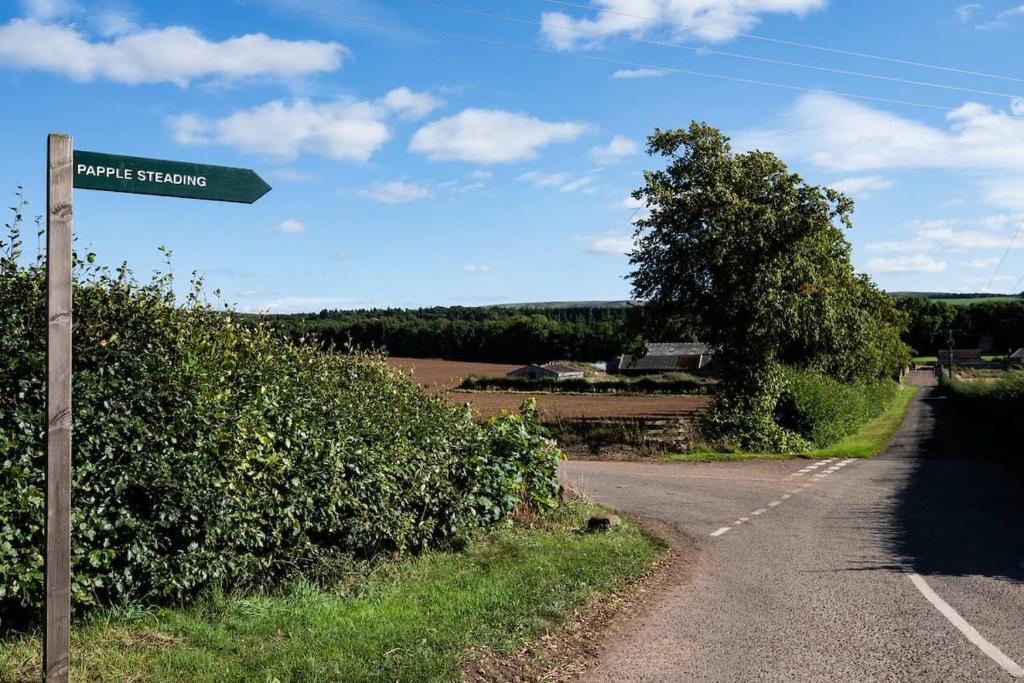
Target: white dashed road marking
775,503
994,653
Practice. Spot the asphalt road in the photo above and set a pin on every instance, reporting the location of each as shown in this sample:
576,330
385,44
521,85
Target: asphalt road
906,567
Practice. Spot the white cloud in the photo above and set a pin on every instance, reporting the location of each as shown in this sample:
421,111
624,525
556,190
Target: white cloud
395,192
489,136
289,226
175,54
964,12
411,105
560,181
115,24
916,263
583,184
983,263
616,150
1017,106
631,202
609,243
540,179
349,131
639,73
838,134
710,20
862,186
1002,20
477,180
1007,193
302,304
476,268
987,232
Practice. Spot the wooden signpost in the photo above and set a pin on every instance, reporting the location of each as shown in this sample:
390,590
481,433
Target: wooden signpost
67,169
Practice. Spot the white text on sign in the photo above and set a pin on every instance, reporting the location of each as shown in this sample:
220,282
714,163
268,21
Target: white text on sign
141,174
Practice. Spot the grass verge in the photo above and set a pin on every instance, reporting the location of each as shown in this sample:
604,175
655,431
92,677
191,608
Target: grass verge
405,620
867,441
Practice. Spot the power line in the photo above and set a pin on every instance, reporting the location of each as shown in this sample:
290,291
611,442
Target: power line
1005,254
793,43
592,58
710,51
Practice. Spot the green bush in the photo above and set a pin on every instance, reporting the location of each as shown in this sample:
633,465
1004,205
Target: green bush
998,403
211,452
823,410
520,444
745,414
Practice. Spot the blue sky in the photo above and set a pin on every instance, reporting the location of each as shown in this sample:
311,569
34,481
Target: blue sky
424,156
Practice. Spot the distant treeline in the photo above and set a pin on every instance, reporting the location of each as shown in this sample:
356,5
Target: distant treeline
486,334
500,334
959,295
1000,323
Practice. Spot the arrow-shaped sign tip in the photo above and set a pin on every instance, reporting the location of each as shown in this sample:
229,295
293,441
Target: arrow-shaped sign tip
259,186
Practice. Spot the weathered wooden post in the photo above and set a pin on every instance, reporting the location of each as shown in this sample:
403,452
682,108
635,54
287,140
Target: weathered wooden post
57,579
65,170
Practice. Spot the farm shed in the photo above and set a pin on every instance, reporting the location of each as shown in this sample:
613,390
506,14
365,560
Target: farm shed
961,357
1017,357
555,371
664,357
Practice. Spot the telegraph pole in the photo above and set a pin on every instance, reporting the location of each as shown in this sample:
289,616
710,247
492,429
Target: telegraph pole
950,342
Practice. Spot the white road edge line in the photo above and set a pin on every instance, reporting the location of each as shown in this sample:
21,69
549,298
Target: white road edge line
720,531
994,653
757,512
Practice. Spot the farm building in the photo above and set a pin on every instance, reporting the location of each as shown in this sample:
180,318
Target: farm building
664,357
961,357
555,371
1017,357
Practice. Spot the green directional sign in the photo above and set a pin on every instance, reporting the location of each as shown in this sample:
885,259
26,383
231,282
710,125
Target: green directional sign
118,173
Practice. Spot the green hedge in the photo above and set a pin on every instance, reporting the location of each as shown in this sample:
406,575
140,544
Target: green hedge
641,385
999,403
211,452
823,410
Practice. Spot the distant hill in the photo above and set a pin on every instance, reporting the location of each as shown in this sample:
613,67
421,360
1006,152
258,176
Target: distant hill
568,304
962,298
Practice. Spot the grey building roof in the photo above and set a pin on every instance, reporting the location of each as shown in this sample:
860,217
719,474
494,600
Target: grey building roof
554,368
677,349
1018,354
668,357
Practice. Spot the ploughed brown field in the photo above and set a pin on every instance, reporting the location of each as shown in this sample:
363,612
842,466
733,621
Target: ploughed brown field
446,374
440,375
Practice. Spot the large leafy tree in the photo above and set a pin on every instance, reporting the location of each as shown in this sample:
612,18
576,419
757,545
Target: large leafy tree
756,259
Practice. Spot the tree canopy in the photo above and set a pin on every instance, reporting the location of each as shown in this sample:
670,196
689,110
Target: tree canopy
757,261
